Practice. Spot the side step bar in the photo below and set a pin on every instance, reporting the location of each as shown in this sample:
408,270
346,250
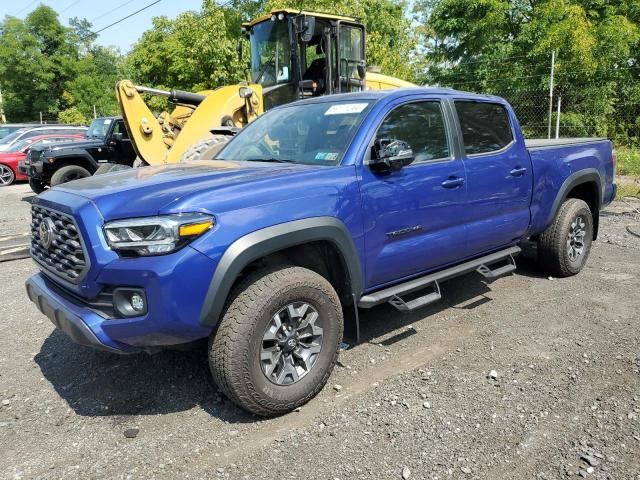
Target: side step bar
482,265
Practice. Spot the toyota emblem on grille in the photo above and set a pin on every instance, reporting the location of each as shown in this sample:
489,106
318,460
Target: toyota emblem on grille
47,232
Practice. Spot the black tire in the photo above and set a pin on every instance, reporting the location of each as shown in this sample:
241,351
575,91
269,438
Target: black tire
235,348
67,174
555,254
103,168
205,149
37,186
110,167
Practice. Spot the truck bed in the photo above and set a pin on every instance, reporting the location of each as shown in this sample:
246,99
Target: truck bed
534,143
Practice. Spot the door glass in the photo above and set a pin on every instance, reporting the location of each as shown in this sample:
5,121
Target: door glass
422,126
485,126
351,55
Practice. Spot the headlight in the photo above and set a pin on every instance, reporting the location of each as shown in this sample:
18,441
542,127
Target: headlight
156,235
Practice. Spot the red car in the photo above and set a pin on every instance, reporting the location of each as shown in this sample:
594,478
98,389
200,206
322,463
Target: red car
9,160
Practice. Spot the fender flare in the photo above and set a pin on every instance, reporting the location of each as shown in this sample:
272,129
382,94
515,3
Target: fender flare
270,240
69,155
575,179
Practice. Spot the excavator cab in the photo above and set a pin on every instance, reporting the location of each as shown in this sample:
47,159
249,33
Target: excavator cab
298,54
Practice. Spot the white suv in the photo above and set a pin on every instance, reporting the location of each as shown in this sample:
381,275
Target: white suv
32,131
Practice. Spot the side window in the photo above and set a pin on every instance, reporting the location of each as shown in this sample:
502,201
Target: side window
485,126
422,126
119,128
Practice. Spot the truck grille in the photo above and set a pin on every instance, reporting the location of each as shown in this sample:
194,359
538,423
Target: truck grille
56,244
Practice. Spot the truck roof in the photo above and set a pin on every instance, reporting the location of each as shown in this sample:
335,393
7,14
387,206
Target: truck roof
391,94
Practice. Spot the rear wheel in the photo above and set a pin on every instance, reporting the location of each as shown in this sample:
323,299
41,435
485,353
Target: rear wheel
110,167
205,149
7,177
67,174
277,341
564,246
37,186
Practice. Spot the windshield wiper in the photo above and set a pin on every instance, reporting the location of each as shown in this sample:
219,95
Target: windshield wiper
275,160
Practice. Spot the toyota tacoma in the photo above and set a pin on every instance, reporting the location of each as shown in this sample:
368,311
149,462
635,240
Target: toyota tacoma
315,210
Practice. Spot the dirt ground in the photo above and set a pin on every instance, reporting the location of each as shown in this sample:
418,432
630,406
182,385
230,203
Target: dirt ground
417,398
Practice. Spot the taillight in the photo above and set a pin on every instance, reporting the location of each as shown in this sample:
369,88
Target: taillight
614,160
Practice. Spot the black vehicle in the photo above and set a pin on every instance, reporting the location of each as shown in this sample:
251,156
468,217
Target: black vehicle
106,148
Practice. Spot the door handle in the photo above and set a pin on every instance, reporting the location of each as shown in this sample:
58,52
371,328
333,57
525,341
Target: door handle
453,182
518,172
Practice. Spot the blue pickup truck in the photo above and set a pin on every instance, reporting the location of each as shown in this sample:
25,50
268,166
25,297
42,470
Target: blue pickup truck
316,209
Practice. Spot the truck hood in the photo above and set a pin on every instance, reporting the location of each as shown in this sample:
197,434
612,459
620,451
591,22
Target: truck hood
168,188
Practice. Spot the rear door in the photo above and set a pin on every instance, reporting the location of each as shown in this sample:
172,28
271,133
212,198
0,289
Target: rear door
414,217
499,175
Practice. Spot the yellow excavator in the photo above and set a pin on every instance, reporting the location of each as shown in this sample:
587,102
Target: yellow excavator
293,54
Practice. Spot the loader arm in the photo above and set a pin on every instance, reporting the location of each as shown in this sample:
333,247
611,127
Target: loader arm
165,139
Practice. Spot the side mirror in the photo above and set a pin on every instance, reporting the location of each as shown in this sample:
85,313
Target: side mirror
116,138
306,26
361,71
390,155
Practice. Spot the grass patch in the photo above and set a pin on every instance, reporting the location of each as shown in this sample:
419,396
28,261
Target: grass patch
628,190
628,161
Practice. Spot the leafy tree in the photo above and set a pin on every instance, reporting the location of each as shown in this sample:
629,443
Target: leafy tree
192,52
504,47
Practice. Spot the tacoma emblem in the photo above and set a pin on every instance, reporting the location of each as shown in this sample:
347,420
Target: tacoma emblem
46,231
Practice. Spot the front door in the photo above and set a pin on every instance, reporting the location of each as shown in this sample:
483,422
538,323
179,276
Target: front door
413,218
499,176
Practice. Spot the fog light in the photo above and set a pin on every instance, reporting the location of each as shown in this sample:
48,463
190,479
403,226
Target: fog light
137,302
130,302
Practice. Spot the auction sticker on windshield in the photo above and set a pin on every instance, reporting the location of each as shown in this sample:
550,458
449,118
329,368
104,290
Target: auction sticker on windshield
345,108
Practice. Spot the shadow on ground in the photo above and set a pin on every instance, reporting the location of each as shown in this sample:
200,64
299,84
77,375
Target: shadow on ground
95,383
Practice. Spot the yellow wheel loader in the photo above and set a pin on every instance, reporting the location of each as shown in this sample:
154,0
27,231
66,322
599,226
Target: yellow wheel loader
293,54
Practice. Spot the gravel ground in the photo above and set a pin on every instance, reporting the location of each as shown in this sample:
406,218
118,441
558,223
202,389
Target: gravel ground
524,377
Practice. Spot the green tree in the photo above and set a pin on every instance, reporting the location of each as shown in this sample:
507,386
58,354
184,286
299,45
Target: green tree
193,52
36,60
504,47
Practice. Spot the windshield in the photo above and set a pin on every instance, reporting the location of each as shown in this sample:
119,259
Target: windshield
270,55
312,134
20,145
11,137
99,128
6,130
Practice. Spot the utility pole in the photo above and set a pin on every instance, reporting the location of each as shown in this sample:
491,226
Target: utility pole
558,117
553,68
95,115
3,119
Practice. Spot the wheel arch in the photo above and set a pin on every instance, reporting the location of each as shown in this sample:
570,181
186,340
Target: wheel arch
322,244
80,159
585,185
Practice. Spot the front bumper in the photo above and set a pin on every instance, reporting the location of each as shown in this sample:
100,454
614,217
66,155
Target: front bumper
66,316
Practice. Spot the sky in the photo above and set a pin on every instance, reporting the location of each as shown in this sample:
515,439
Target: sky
122,35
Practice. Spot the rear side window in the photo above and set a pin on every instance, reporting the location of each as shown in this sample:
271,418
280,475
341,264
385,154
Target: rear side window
485,126
422,126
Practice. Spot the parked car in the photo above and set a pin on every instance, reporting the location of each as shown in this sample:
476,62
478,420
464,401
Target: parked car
35,130
107,145
7,128
11,159
314,210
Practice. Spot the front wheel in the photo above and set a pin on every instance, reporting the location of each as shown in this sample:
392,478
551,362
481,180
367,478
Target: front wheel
37,186
67,174
7,177
564,246
277,341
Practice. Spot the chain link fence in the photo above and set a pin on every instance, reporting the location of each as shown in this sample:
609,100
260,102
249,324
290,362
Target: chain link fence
604,106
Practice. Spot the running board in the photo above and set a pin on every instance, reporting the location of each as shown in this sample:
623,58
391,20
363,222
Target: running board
482,265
